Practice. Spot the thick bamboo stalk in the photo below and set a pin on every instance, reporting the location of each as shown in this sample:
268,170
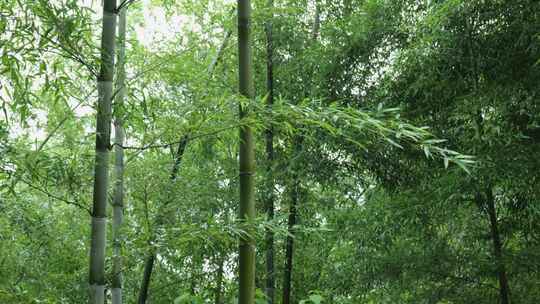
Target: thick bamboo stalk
118,196
101,171
269,203
296,188
504,289
218,294
148,266
246,258
291,222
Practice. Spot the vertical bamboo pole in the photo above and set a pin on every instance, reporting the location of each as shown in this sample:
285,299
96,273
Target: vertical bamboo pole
118,196
269,202
101,171
246,259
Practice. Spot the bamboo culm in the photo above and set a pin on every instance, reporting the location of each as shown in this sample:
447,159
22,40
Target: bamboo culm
246,257
504,290
151,256
269,202
101,170
291,222
118,196
296,189
218,295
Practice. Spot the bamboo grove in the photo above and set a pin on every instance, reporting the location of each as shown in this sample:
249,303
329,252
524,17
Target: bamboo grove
269,151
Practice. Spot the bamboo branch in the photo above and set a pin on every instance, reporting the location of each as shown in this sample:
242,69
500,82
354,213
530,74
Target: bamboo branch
166,145
50,195
124,4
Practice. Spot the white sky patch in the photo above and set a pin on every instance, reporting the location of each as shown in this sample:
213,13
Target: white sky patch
157,28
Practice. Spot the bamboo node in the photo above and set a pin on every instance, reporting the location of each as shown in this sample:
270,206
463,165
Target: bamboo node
97,219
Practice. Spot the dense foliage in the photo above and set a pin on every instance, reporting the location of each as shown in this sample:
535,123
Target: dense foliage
371,101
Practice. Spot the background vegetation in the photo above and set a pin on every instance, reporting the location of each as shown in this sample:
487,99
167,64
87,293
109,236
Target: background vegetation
356,110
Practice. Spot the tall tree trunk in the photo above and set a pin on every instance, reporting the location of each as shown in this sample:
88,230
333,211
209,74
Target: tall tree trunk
295,193
148,267
269,239
101,170
218,297
151,256
118,197
289,253
246,258
504,290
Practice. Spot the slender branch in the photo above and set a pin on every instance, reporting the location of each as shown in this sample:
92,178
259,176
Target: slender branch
50,195
160,62
166,145
4,109
51,134
125,4
219,54
71,54
139,74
